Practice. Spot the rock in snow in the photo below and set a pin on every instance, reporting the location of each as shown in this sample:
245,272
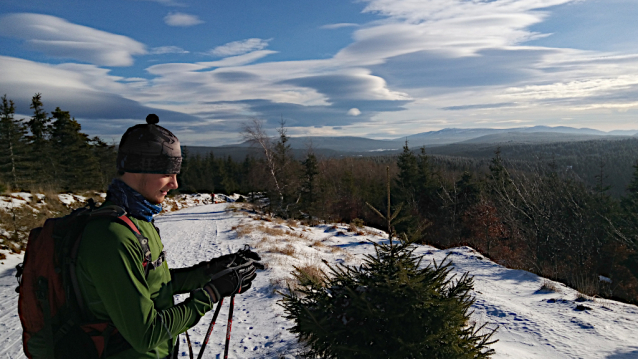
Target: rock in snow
532,323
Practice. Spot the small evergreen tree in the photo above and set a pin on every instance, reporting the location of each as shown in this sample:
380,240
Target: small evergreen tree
388,307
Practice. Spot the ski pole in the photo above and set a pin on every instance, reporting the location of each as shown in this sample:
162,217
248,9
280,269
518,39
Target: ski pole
190,347
210,329
230,324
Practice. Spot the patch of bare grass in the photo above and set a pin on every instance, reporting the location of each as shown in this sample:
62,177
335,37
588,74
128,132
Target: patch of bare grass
356,225
288,250
587,287
271,231
549,286
335,249
309,272
243,230
317,243
371,232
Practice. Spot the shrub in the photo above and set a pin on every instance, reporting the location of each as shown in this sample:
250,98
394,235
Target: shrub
386,308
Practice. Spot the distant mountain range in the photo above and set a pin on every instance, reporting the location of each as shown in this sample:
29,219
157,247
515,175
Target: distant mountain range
350,145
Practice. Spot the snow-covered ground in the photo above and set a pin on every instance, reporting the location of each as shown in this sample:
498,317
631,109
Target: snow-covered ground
532,323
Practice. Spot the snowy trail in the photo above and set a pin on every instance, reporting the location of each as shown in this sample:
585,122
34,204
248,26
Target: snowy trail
10,329
532,324
200,233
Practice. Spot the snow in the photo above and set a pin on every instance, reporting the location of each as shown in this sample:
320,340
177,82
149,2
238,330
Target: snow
532,323
17,199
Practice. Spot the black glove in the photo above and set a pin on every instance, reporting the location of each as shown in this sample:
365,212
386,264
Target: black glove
231,281
246,255
242,256
218,264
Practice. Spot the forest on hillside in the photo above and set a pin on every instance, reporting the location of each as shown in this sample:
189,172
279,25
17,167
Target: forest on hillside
555,216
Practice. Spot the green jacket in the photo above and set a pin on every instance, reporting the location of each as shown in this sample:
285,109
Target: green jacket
112,281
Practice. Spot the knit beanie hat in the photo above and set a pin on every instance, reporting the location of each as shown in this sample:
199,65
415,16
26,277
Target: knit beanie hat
149,148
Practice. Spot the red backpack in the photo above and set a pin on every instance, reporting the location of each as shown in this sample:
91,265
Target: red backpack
55,322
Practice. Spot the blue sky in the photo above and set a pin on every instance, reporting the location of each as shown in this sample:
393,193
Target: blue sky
374,68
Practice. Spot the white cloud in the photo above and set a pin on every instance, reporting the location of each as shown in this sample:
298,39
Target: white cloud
240,47
354,112
167,50
57,37
452,28
181,19
239,60
339,25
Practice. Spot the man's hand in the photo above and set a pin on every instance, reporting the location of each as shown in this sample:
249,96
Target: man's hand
240,257
231,281
218,264
246,255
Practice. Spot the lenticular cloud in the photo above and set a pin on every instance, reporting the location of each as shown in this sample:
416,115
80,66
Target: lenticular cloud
57,37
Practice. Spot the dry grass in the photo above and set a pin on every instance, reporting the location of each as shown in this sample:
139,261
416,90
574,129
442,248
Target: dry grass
271,231
317,243
243,230
371,232
586,286
549,286
288,250
356,225
262,243
335,249
3,256
580,297
311,272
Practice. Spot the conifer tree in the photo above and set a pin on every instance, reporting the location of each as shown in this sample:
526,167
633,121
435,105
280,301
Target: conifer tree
39,126
389,307
76,166
285,173
408,178
105,156
427,187
12,145
310,167
39,123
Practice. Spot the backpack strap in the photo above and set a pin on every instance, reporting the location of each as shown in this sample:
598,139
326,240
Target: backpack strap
149,263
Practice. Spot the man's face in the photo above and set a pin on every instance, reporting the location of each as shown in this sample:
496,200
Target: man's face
154,187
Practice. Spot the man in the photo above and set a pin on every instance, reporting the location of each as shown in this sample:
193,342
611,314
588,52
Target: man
116,284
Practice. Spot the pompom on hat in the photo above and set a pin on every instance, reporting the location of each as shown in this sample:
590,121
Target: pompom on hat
149,148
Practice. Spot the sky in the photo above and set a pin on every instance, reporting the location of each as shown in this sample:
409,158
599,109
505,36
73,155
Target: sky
374,68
